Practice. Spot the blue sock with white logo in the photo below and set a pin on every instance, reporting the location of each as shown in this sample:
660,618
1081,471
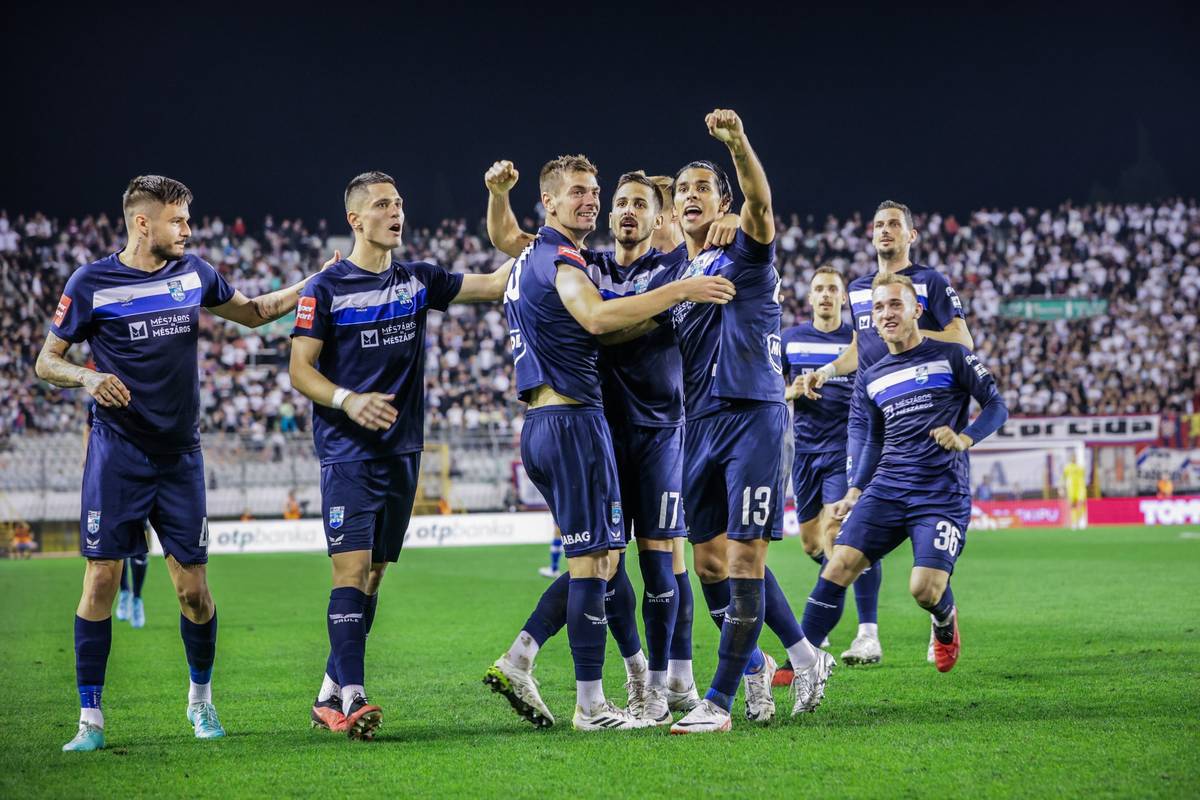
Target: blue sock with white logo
347,633
550,614
331,664
866,594
137,566
739,638
620,606
659,605
556,551
942,618
587,628
716,595
779,616
681,635
823,610
93,641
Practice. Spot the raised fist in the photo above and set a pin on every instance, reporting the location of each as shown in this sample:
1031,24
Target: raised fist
501,177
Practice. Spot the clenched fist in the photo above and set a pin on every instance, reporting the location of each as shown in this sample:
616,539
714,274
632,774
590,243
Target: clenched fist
724,125
501,177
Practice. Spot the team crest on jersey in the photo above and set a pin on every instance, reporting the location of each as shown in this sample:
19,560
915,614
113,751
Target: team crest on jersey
337,515
641,282
176,290
616,512
93,521
922,375
775,352
402,295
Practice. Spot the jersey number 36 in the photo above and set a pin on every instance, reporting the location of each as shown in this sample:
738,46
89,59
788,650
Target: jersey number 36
949,538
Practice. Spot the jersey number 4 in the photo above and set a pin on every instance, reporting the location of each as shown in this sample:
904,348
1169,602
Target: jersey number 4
949,538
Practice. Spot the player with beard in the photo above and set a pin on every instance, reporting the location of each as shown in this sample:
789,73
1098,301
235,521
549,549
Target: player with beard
914,467
642,388
736,421
139,310
554,311
943,319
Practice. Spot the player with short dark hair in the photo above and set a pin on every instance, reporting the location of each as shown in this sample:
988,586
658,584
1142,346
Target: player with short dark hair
913,478
943,319
554,310
819,433
139,310
358,352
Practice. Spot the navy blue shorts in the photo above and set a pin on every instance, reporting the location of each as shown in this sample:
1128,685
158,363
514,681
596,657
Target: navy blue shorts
818,479
366,505
123,486
935,522
650,466
733,473
568,454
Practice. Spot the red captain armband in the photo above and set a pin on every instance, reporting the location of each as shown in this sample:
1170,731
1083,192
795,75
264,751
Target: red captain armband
573,254
64,303
305,312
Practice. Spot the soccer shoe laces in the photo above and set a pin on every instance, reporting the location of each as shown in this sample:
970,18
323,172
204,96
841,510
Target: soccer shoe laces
206,714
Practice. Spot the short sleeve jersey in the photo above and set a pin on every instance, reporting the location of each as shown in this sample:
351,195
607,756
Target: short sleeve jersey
143,328
909,394
549,346
939,301
372,326
642,380
819,425
730,352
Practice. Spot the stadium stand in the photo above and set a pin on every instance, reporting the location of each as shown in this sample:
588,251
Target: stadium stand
1129,346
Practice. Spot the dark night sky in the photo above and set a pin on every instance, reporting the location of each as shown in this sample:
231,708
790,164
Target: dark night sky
272,111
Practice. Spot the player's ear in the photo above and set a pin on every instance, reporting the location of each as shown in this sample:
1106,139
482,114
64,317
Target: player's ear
353,218
658,221
547,202
726,202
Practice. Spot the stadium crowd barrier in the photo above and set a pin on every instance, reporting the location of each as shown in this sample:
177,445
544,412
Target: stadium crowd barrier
994,514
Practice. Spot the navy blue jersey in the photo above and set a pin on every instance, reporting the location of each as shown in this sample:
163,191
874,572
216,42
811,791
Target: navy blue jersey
730,352
819,425
549,346
909,394
143,327
938,299
642,380
373,329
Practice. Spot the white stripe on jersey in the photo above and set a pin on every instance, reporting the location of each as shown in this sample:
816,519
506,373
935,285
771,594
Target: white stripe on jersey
119,295
941,366
864,295
835,348
375,297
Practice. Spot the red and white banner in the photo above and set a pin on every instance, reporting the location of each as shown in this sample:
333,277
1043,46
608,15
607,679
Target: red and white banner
1019,514
1144,511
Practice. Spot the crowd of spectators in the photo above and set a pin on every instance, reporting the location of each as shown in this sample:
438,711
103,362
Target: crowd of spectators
1142,355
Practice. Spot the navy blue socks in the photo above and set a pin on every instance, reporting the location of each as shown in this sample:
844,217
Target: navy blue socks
866,593
200,646
739,637
93,641
779,616
823,610
587,627
620,606
660,605
550,613
681,636
346,623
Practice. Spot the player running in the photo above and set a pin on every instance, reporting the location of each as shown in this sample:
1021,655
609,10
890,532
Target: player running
642,388
139,310
819,431
554,311
942,319
358,352
736,422
917,400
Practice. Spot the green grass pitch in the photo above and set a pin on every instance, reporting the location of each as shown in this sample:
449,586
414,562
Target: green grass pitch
1079,677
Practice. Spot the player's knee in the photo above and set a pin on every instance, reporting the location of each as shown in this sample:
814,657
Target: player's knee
194,598
710,565
926,593
841,569
375,577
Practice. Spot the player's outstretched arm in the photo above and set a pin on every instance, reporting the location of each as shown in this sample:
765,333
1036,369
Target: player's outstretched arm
599,316
372,410
503,228
758,217
255,311
53,367
485,288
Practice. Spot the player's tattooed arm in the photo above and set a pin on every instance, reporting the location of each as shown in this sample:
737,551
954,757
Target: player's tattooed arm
503,228
485,288
599,316
844,364
372,410
255,311
757,217
52,366
956,331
